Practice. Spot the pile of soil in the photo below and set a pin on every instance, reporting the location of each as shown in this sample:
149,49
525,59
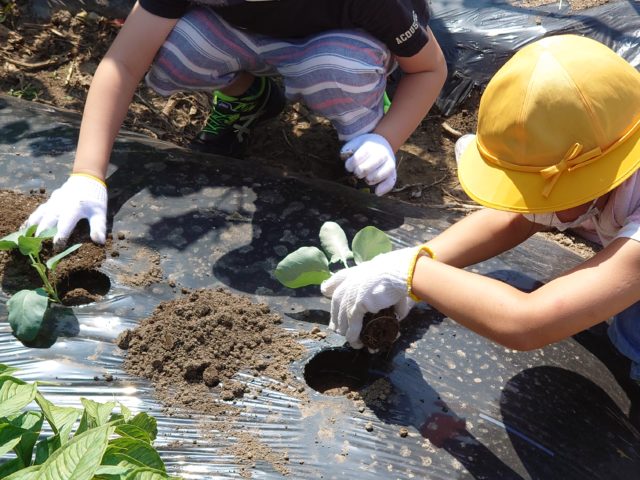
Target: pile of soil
191,349
201,340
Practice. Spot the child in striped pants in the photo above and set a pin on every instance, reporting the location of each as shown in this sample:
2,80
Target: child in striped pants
333,55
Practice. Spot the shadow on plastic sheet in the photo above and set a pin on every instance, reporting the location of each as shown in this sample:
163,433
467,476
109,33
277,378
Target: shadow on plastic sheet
254,225
569,417
552,416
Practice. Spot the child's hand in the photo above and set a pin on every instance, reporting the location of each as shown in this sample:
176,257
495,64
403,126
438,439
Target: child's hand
370,287
81,196
371,157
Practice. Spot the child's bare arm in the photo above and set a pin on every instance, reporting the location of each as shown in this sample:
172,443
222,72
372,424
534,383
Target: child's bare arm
480,236
113,85
582,297
424,76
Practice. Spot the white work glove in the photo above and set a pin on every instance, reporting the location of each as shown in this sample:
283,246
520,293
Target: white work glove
372,286
370,157
81,196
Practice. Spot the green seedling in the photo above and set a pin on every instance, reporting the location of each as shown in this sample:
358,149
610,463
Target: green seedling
93,442
311,265
27,308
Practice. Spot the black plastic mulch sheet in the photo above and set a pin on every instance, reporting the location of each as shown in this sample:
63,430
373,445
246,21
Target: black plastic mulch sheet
472,409
479,36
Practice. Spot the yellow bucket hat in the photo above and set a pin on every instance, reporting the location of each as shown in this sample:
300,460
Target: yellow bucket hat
558,126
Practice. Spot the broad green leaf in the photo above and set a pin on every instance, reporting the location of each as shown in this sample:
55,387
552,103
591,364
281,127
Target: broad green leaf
125,412
29,232
305,266
61,419
52,263
30,423
7,370
9,437
26,313
79,458
334,242
48,233
15,395
133,432
95,414
147,423
369,242
117,456
30,245
18,471
113,472
46,447
146,474
10,241
140,451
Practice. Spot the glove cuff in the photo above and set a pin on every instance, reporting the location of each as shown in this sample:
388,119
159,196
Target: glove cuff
91,187
92,177
422,250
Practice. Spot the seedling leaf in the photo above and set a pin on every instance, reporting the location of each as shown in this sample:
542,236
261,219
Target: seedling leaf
369,242
48,233
29,232
334,242
10,241
52,263
26,313
30,245
305,266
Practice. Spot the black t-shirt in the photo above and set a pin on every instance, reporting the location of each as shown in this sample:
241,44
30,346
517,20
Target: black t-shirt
394,22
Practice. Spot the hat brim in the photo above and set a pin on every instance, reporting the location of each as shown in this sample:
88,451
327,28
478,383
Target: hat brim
515,191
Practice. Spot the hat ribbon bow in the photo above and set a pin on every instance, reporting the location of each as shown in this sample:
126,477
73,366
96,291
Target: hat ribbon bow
573,159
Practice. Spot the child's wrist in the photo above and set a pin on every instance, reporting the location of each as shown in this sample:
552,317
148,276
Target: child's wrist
423,251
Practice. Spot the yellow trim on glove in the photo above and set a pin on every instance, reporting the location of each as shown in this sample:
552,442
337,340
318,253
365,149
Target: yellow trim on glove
423,250
88,175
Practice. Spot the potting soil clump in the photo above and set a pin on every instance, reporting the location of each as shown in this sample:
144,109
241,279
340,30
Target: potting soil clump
192,347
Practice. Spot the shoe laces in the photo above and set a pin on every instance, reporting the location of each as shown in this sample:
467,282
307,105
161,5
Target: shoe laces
238,114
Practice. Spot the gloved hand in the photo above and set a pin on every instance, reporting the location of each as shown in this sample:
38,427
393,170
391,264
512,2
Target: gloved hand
380,283
371,157
81,196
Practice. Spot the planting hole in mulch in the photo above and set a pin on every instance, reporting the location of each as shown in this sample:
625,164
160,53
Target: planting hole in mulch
339,368
76,278
80,287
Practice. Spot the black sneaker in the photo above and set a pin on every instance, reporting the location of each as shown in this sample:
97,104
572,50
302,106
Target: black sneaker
231,119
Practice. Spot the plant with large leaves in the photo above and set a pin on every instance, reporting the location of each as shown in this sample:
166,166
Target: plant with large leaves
86,443
311,265
28,308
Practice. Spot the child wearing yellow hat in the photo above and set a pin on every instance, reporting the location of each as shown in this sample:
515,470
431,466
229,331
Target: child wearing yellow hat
558,144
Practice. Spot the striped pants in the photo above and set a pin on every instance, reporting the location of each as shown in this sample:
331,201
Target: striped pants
339,74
